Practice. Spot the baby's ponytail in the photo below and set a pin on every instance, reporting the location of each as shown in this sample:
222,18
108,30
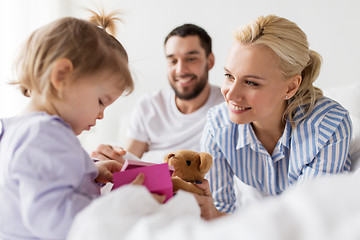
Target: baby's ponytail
105,22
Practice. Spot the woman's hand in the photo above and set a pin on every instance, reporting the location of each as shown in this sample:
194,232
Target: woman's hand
139,180
106,169
206,202
106,152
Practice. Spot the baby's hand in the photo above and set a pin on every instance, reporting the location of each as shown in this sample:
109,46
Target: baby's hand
139,180
106,169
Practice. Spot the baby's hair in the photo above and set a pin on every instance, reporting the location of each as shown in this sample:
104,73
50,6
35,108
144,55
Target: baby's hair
106,22
290,44
87,44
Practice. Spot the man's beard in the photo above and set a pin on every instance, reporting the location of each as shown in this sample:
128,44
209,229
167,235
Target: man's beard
195,92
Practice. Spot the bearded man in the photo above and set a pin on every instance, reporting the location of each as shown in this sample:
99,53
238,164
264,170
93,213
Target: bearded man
173,118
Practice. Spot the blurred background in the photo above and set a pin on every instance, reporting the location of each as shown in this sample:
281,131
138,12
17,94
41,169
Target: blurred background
331,27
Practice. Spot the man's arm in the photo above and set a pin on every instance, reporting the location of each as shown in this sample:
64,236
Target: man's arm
105,152
136,147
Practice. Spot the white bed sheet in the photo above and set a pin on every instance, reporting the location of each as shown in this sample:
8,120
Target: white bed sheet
327,208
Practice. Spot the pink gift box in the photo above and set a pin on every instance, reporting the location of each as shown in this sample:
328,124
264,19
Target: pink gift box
157,176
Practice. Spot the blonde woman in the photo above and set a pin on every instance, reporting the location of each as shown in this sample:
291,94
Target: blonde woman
275,128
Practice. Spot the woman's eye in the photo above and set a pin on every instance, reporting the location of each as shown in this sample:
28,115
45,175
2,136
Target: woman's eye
251,83
228,76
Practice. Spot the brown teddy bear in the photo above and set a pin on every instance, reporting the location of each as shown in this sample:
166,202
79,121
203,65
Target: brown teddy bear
189,166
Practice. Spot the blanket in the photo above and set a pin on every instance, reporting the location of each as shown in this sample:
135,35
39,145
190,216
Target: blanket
325,208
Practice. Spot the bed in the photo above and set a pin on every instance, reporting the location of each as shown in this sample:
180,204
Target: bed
325,208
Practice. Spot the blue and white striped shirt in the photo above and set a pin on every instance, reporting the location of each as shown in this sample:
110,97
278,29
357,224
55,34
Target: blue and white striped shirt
318,144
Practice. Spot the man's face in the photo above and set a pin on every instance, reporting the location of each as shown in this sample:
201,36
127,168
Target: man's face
188,66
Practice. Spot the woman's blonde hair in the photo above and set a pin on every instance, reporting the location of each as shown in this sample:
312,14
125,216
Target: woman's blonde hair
290,44
85,43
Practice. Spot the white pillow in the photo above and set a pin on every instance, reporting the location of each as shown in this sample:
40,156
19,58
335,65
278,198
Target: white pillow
349,97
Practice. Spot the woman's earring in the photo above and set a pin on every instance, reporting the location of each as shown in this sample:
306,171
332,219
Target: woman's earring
286,97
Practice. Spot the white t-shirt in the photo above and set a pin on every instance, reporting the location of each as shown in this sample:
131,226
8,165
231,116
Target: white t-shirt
157,121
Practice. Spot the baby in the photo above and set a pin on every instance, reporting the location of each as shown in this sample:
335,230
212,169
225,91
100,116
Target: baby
71,70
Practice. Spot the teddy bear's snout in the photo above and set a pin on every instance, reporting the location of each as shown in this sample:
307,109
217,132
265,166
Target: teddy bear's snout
188,162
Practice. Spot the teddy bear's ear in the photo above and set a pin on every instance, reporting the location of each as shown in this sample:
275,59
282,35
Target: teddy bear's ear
205,162
167,157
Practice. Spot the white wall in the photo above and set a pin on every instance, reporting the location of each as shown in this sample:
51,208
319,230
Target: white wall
331,26
18,18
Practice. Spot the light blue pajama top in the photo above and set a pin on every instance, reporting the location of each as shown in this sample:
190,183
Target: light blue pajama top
46,177
319,144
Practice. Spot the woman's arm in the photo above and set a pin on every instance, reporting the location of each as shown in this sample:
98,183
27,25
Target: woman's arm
220,175
206,202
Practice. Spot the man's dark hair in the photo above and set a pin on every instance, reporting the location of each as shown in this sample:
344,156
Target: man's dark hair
192,30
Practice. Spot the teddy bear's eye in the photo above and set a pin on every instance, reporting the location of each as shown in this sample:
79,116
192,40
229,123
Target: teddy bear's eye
188,162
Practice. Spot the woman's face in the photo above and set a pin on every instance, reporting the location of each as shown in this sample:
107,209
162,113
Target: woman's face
254,88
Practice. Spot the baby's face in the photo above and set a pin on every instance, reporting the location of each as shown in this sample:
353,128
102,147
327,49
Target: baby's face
85,99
